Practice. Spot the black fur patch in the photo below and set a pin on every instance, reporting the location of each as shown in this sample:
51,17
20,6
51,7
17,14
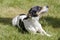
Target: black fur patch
21,24
33,11
26,18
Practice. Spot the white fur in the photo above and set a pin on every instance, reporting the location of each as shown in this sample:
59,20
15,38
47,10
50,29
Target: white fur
32,25
14,21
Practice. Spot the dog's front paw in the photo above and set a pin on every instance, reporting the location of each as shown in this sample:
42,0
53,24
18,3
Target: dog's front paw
49,35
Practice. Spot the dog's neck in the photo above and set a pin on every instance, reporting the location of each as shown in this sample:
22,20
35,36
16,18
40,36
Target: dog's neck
29,17
32,18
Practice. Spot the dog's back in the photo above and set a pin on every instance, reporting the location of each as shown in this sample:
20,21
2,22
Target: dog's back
16,19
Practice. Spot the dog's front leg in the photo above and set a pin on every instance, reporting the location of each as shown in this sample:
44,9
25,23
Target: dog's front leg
40,29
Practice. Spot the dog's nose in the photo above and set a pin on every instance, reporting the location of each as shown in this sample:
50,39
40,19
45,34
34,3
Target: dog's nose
47,6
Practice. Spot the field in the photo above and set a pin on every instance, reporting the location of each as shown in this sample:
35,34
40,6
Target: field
50,21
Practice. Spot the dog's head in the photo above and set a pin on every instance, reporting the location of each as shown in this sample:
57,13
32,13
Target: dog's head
37,10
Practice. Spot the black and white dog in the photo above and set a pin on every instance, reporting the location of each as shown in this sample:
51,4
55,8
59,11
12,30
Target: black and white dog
30,22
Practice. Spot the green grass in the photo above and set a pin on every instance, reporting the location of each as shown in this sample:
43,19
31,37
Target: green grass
50,21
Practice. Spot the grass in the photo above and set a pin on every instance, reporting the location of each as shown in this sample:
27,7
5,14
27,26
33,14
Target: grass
50,21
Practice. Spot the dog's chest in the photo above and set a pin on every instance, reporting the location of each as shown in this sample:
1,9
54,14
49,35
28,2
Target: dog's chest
30,23
35,18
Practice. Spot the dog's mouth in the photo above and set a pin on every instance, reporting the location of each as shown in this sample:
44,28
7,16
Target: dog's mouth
43,10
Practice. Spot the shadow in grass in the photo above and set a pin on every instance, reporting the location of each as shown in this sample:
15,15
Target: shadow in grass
6,21
22,31
55,22
59,38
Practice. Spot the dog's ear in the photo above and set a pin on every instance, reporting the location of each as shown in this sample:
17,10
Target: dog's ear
33,11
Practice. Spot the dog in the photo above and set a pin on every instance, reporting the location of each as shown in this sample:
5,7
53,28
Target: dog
30,22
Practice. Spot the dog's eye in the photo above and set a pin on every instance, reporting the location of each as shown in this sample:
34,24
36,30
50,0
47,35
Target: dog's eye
40,9
33,11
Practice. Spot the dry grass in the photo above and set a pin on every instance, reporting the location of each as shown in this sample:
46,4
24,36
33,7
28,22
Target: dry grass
11,11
